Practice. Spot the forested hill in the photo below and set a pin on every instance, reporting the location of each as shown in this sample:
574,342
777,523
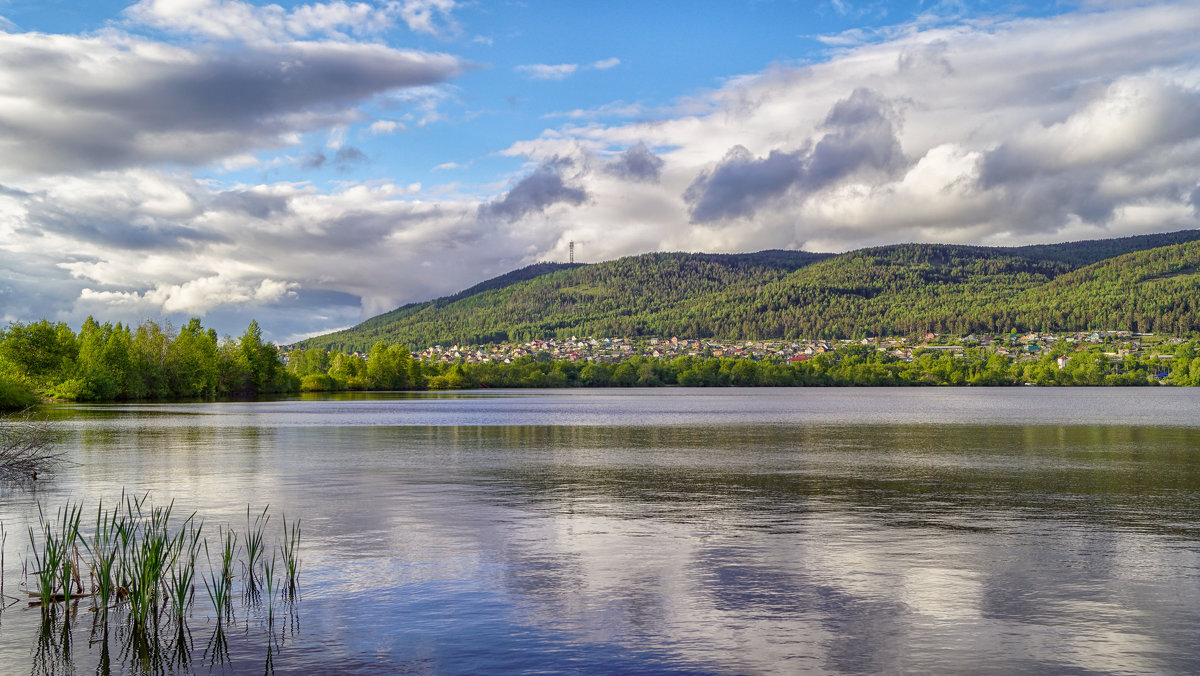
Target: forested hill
609,298
1144,283
1096,250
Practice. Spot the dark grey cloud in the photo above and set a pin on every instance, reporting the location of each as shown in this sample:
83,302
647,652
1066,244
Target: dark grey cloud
106,106
114,227
255,204
314,160
741,183
534,193
348,156
637,163
12,192
862,136
1194,199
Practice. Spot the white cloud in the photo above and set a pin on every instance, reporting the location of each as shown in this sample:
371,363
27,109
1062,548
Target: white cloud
605,64
1011,131
384,127
541,71
429,16
194,297
242,21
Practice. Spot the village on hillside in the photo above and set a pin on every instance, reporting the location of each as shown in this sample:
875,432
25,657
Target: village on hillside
1115,344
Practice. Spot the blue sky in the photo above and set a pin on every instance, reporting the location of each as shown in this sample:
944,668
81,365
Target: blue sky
313,164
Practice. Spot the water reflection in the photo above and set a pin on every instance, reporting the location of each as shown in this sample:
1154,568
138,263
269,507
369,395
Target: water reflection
65,644
658,540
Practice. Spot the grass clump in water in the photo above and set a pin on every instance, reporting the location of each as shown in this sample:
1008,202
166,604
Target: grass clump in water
144,562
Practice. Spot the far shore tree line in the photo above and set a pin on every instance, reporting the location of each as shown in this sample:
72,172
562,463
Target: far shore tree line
106,362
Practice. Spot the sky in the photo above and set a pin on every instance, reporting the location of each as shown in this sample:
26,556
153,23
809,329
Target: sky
310,165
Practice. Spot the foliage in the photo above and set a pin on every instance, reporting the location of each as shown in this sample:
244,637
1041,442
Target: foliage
106,362
614,298
15,395
1143,283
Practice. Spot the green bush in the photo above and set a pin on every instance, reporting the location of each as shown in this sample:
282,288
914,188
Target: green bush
14,395
318,382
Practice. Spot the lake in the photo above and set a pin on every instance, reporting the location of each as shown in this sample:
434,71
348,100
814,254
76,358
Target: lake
1017,530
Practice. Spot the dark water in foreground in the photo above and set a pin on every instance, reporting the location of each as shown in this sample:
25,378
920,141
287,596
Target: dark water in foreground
671,531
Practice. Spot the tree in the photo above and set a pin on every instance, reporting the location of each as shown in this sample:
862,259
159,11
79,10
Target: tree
193,362
387,367
39,354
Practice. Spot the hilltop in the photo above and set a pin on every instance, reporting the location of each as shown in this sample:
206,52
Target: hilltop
1141,283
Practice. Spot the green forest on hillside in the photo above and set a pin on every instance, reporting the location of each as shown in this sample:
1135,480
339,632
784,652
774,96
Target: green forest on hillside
1143,283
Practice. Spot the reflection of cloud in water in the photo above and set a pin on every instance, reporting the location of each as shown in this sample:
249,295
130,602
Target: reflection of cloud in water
838,594
757,548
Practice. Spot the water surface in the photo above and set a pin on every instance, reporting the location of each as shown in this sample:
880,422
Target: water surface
676,531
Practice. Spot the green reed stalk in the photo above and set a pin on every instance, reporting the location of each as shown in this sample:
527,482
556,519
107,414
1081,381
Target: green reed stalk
182,585
269,583
255,545
219,581
152,556
69,517
290,550
105,548
55,567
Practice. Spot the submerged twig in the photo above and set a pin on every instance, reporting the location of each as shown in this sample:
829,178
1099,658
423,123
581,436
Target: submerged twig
27,448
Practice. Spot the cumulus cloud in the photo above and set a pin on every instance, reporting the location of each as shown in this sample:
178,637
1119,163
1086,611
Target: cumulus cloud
637,163
534,193
861,137
384,127
741,183
283,253
107,102
429,16
605,64
196,296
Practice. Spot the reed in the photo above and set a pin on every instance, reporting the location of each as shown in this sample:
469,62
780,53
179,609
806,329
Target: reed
290,553
105,547
55,567
143,568
269,583
149,558
255,546
182,583
219,581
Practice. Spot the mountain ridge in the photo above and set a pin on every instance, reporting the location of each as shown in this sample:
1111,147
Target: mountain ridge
896,289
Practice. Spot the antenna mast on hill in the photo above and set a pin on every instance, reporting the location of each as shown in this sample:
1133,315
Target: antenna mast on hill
572,248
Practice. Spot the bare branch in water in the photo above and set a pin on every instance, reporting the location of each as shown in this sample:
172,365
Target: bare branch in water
27,448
